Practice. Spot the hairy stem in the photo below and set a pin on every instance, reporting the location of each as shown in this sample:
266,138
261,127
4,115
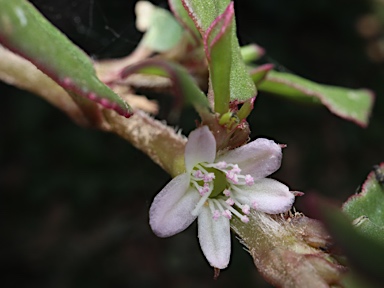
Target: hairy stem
160,142
289,252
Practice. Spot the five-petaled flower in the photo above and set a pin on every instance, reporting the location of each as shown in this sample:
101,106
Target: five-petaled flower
215,188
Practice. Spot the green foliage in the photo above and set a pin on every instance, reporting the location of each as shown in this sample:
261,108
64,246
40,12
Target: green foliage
204,14
182,15
258,74
366,209
25,31
365,253
161,20
183,85
216,41
360,228
354,105
251,53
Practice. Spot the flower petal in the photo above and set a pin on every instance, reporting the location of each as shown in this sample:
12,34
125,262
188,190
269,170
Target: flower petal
258,158
170,212
201,147
215,238
267,195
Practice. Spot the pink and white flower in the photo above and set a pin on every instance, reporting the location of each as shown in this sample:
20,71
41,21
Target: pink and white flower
216,188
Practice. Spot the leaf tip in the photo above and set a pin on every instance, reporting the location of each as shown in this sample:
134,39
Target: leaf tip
223,21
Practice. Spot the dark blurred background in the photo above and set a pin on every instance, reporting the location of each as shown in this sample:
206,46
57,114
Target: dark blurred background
74,202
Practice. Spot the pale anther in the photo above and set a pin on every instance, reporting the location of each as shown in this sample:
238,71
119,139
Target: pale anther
198,174
227,192
227,214
236,169
244,219
209,177
216,214
245,209
230,201
221,165
249,180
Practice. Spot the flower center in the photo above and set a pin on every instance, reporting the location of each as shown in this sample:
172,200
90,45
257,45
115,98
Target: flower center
218,185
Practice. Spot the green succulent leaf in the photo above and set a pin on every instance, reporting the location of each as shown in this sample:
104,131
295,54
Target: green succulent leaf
208,16
366,209
351,104
163,31
217,39
26,32
181,14
258,74
364,252
251,52
184,86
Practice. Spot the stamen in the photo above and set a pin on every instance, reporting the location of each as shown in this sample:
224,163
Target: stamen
197,186
249,180
202,200
209,177
227,214
203,190
232,177
239,190
216,214
234,211
198,174
201,168
245,209
236,169
227,192
223,205
244,219
221,165
230,201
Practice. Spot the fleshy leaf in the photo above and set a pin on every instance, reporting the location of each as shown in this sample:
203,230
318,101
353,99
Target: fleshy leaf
251,52
26,32
366,209
205,14
182,15
364,252
258,74
354,105
217,44
163,32
183,85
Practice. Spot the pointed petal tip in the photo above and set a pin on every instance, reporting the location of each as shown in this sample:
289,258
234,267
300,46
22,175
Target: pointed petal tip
297,193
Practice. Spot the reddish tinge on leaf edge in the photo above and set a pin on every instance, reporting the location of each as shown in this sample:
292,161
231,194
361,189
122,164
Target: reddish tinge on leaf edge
226,18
